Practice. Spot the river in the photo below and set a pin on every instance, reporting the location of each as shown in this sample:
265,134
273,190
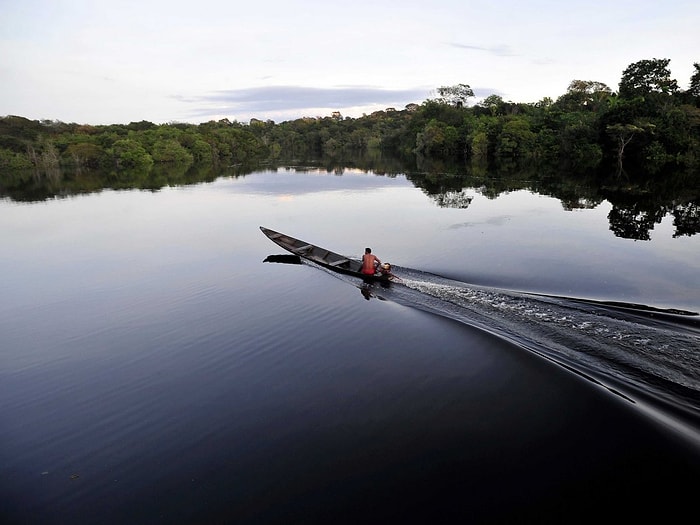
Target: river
533,363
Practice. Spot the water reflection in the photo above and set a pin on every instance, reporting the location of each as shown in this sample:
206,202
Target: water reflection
637,206
635,213
686,219
284,259
369,290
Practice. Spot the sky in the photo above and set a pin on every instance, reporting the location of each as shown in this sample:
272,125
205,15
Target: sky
120,61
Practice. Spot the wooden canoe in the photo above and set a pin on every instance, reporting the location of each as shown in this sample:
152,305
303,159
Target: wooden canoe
321,256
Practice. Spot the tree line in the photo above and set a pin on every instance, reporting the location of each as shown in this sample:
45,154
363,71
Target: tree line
648,127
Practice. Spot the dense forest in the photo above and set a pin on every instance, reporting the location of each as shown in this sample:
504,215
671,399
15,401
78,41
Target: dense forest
638,148
649,126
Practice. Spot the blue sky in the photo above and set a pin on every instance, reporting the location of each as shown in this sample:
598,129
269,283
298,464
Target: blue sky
99,62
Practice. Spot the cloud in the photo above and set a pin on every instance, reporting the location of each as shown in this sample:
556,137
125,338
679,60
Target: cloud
481,93
285,98
290,102
500,50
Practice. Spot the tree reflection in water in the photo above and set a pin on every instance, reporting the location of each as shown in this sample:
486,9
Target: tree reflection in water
637,205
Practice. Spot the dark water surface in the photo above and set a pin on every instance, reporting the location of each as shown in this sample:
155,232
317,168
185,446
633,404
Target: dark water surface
153,369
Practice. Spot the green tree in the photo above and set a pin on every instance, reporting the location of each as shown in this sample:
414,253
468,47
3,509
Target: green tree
437,139
85,154
584,95
171,151
457,95
479,147
10,160
694,89
516,140
494,103
623,135
647,77
128,153
432,139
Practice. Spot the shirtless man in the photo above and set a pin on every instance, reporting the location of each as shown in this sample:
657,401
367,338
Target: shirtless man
370,262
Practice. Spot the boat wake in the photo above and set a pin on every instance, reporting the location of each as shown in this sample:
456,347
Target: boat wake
648,356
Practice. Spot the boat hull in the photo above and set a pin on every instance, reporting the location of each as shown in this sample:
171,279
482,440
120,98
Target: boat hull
323,257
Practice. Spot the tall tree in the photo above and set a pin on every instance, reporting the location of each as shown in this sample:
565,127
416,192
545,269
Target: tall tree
493,103
647,77
623,135
586,95
694,89
457,95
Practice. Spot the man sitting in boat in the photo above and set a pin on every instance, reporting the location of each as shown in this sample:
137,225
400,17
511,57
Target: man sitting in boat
370,262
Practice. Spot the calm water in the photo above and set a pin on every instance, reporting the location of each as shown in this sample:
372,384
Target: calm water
153,369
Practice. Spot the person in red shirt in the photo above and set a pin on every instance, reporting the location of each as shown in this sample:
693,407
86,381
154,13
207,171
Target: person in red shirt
370,262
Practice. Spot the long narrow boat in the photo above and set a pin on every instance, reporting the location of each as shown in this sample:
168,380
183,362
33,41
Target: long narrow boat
323,257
